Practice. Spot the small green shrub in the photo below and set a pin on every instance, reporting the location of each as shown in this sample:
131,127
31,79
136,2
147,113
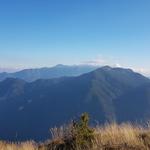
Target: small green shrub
82,133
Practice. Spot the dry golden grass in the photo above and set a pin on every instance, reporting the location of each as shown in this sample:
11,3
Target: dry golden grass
110,137
107,137
123,136
18,146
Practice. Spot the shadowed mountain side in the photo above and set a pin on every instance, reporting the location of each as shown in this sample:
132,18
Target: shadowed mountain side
134,105
28,110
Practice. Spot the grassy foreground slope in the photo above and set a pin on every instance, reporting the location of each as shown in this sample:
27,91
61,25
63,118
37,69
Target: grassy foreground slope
79,136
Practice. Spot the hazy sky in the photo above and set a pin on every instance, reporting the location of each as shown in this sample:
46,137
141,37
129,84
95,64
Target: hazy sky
36,33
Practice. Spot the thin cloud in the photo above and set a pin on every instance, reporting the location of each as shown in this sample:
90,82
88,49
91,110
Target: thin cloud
102,61
10,70
143,71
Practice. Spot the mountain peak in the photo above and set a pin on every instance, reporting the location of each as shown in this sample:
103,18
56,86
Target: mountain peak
106,68
109,68
60,65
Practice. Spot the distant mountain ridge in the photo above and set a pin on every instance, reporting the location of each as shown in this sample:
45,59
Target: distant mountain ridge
29,109
57,71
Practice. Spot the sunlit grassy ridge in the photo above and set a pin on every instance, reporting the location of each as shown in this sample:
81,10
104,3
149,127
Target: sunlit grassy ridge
79,136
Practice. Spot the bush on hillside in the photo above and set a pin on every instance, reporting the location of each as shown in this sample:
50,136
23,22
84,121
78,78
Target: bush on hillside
82,133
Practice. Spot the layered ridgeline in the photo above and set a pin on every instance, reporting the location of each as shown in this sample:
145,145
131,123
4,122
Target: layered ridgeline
48,73
28,110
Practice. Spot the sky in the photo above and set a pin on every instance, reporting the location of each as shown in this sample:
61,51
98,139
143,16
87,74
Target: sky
43,33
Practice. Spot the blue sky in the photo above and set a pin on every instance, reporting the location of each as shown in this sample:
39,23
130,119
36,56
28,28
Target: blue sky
37,33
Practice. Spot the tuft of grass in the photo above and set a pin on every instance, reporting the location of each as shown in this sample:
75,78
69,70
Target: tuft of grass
124,136
18,146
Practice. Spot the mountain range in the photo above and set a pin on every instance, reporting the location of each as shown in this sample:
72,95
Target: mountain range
29,109
57,71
